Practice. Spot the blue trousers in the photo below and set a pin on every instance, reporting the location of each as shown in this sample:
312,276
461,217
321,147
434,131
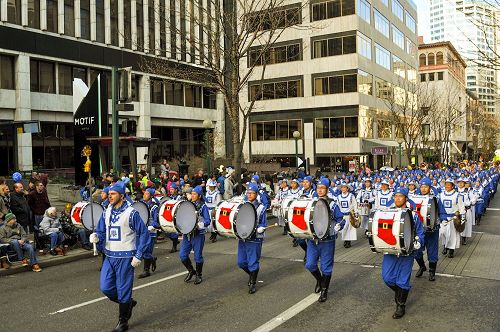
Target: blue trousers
84,237
148,253
324,251
249,254
56,239
20,249
117,279
397,270
195,243
431,243
173,236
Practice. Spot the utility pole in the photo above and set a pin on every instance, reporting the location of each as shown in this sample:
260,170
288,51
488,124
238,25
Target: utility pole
114,127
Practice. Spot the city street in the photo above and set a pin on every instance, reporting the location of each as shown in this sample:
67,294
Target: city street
463,298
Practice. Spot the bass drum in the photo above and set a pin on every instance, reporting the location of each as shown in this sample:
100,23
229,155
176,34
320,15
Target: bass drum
285,204
309,218
235,220
81,214
391,231
427,211
143,210
164,199
178,217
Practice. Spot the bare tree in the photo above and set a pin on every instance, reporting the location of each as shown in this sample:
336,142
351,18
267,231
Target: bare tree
224,43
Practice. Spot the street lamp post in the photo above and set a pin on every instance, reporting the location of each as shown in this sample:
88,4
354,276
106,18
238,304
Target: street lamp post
296,137
207,124
400,142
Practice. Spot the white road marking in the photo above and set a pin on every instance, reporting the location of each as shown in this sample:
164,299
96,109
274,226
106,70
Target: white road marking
287,314
104,297
448,275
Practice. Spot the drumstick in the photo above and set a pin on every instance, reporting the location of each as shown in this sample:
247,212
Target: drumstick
95,249
271,226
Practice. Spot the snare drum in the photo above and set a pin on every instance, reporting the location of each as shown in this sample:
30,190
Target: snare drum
391,231
235,220
364,209
276,207
427,210
143,210
81,214
178,217
309,218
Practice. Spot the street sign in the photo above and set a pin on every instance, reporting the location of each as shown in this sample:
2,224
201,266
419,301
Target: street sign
380,151
299,162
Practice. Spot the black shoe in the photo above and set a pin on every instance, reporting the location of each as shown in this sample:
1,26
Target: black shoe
317,275
123,319
464,241
401,306
253,281
199,270
325,284
153,264
432,271
147,265
175,242
445,251
284,231
451,253
191,271
294,243
347,244
53,252
422,268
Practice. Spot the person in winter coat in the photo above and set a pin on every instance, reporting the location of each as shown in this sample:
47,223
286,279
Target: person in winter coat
51,226
19,206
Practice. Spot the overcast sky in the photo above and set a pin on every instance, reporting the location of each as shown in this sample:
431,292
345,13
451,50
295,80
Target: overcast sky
423,19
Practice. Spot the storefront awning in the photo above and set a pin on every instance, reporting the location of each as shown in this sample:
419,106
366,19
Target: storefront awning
369,143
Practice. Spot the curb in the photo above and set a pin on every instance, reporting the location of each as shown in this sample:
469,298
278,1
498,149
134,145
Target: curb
53,261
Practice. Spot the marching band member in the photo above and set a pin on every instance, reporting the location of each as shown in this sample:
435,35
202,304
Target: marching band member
104,201
478,191
249,250
196,240
384,196
347,202
449,203
124,238
412,188
212,198
466,197
366,195
294,190
174,194
153,206
324,250
307,192
431,241
282,193
396,269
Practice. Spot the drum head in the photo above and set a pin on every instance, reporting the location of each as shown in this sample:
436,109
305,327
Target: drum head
408,229
185,217
321,219
164,199
86,214
143,210
433,214
246,220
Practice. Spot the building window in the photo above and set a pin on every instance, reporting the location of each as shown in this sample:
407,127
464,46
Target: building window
151,25
422,77
364,10
175,94
410,22
331,9
335,84
440,76
275,90
85,19
69,18
439,58
157,94
422,59
99,4
42,76
52,16
34,14
431,59
274,19
385,2
383,89
193,96
14,11
338,127
64,79
381,23
114,21
140,24
334,46
382,57
7,72
364,46
397,10
398,37
163,32
411,49
431,77
209,98
274,130
127,25
365,82
278,54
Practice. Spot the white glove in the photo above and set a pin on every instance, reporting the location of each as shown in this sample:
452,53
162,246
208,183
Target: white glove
416,245
151,228
135,262
93,238
201,225
337,227
261,230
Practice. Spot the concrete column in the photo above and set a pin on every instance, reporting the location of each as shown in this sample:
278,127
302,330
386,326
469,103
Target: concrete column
24,13
188,16
157,27
78,19
219,130
121,24
43,14
107,22
168,39
60,16
308,135
133,22
144,120
93,21
204,40
178,29
3,10
146,25
196,39
23,111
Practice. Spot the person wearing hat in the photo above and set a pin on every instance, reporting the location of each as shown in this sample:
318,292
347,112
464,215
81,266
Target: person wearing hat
283,192
14,234
396,269
196,240
212,198
263,195
450,202
229,184
123,236
153,204
468,199
431,240
367,197
479,207
173,193
412,188
249,250
307,187
323,250
384,196
295,190
347,203
104,201
51,227
221,179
